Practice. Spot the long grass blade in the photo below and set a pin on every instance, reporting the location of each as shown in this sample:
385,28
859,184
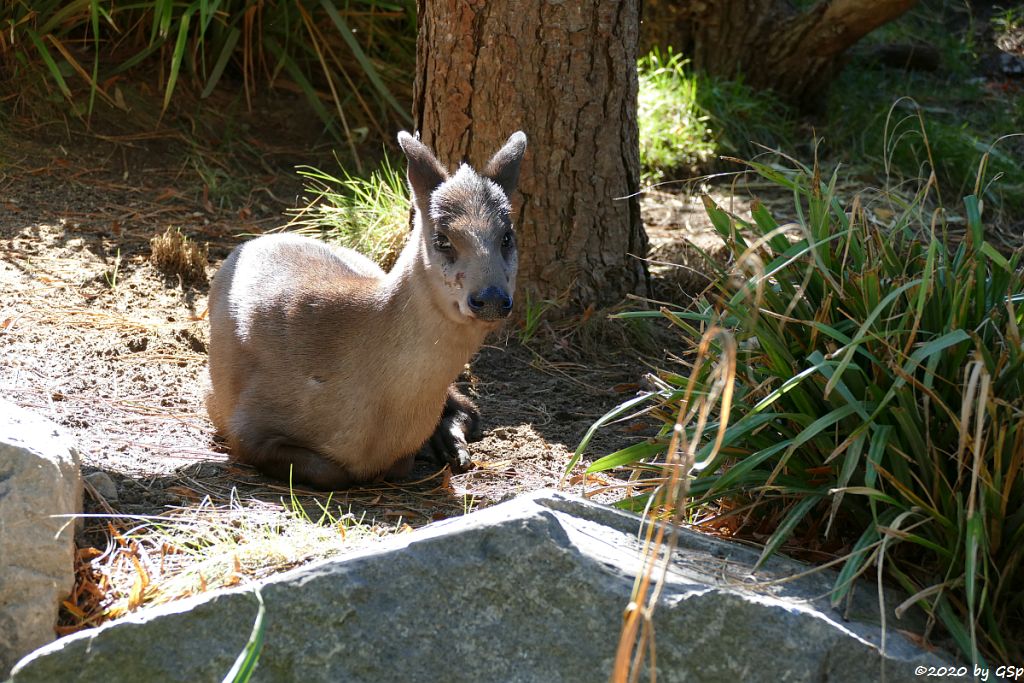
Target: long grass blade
177,55
245,664
226,52
616,412
368,68
789,523
51,65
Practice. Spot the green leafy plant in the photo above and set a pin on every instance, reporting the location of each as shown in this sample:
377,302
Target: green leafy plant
311,47
369,214
533,314
1008,19
111,275
877,405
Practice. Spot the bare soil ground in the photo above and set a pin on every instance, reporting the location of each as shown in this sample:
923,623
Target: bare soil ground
95,338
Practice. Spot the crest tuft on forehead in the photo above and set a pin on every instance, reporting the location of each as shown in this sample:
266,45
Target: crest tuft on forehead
467,193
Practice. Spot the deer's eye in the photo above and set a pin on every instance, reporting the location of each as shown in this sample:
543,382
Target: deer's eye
507,239
442,243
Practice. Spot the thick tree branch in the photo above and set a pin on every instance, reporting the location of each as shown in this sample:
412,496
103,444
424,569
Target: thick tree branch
771,45
841,23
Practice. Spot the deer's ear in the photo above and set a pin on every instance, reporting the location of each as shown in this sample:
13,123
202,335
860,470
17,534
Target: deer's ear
425,172
503,168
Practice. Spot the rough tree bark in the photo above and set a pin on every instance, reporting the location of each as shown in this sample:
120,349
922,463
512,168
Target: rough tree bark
768,42
565,73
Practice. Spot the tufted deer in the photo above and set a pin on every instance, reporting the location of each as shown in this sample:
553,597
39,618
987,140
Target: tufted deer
327,371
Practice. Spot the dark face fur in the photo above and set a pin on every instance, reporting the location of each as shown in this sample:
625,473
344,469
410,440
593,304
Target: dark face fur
466,227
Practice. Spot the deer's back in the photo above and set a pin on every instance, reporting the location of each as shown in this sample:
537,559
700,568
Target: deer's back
279,306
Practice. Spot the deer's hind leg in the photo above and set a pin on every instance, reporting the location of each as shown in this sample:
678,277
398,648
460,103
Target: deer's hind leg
459,425
401,469
274,455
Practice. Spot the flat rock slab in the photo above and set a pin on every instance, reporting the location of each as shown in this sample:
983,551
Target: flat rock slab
529,590
40,487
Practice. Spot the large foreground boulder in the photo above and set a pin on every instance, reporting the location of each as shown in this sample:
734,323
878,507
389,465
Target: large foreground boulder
530,590
40,485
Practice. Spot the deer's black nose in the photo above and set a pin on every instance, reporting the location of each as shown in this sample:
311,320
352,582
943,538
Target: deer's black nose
491,303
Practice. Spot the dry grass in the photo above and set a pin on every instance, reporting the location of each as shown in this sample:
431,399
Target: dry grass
691,428
174,254
227,538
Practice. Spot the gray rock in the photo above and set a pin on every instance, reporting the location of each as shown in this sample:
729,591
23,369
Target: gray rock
103,485
530,590
1011,65
39,478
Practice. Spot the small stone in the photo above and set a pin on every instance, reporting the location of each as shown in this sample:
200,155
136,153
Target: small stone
1011,65
103,485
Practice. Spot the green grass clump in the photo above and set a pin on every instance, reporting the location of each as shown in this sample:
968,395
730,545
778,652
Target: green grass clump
369,214
674,133
687,119
744,121
944,120
955,153
912,138
877,402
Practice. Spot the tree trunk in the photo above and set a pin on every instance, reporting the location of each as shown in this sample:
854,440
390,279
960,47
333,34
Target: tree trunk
565,73
767,42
